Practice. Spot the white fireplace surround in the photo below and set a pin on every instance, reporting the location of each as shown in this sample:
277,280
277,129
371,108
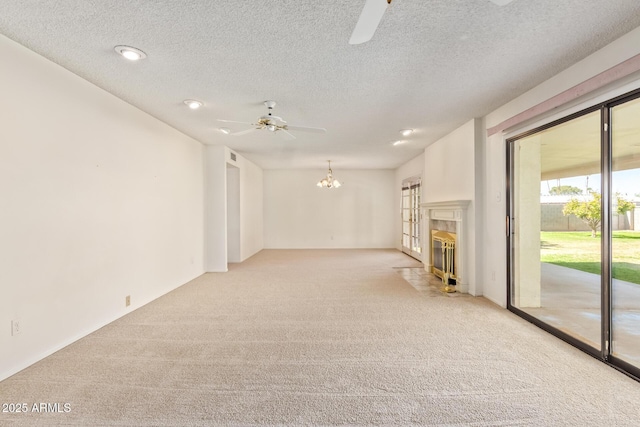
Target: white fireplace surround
454,211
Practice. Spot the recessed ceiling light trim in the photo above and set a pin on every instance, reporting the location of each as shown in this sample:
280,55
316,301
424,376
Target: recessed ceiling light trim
194,104
130,53
406,132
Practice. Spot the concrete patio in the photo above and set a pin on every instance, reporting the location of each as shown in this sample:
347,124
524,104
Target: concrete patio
571,302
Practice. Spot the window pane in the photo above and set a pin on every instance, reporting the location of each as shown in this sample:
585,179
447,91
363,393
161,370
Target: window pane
557,242
625,239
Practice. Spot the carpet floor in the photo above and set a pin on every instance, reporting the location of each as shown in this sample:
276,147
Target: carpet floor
320,337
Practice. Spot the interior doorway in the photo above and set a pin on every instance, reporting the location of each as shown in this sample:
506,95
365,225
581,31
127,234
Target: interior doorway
233,214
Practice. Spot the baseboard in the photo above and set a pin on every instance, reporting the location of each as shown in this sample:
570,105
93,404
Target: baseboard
87,331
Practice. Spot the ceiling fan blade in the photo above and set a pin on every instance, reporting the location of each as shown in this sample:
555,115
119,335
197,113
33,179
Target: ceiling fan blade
233,121
369,19
244,132
306,129
501,2
288,135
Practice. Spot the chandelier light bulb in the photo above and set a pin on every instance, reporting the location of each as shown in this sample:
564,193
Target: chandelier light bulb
328,181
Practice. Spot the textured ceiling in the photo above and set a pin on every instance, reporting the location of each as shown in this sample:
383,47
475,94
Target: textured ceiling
431,66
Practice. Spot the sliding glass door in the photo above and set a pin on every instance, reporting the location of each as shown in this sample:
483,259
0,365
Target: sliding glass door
557,257
574,229
625,236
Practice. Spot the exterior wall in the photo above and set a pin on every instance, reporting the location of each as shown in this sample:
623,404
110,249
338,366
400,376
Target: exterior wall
552,219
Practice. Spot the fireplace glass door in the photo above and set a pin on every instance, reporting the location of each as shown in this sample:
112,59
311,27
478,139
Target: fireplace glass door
411,240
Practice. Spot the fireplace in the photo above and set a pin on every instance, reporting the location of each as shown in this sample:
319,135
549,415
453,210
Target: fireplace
445,224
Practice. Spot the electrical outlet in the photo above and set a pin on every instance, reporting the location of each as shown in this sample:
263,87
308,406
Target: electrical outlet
127,301
15,327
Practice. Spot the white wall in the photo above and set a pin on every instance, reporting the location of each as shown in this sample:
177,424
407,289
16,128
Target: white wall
251,208
494,256
233,214
215,200
449,166
99,201
450,173
413,167
360,214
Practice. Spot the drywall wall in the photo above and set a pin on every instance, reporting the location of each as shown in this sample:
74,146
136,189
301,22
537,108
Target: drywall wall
251,208
449,166
99,201
215,201
413,168
495,209
298,214
450,174
233,214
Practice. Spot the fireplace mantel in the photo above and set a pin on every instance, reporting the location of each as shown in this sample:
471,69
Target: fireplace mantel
456,212
447,205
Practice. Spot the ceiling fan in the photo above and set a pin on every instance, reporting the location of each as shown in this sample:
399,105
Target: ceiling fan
273,124
371,16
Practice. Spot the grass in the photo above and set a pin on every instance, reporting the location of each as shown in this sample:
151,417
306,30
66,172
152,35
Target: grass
580,251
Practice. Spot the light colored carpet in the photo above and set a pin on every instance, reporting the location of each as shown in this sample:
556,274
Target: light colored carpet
321,337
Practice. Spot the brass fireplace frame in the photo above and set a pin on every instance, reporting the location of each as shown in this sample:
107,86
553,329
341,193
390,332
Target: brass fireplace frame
448,242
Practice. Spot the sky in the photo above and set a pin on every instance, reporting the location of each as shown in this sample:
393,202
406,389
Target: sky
626,182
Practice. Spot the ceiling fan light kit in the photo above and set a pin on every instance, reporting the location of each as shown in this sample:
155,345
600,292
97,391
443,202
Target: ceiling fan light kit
273,124
329,181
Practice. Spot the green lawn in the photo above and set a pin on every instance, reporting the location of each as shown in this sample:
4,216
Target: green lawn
578,250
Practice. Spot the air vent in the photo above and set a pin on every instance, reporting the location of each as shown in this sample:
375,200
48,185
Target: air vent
233,156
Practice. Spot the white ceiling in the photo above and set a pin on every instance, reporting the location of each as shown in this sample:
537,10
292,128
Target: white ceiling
432,64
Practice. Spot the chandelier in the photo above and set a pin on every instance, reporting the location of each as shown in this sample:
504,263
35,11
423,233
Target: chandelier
329,181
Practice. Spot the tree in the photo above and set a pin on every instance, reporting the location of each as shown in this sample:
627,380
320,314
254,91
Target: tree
565,190
589,211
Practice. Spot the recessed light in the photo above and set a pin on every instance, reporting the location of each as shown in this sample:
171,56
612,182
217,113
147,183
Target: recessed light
226,131
399,142
131,53
193,104
406,132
